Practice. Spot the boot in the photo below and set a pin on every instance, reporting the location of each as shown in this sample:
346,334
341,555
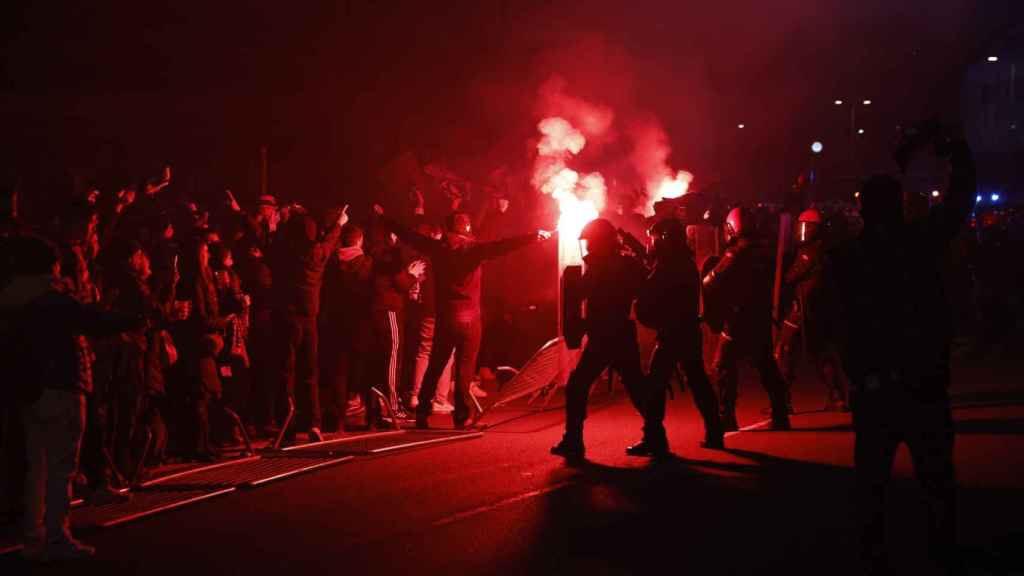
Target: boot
571,447
655,448
714,436
780,421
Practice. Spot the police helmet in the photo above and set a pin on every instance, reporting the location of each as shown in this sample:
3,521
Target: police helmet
808,225
735,223
599,234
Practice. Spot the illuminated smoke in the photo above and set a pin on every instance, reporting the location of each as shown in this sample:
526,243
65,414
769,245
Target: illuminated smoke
580,198
650,159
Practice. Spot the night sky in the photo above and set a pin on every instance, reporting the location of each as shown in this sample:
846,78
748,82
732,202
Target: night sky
338,91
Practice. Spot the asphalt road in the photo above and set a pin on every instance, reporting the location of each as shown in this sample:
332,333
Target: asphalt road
775,502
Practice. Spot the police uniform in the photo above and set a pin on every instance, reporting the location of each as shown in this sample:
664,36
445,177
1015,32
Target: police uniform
669,303
609,286
807,322
743,281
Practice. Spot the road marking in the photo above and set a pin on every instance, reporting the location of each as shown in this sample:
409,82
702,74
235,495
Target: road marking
748,428
501,503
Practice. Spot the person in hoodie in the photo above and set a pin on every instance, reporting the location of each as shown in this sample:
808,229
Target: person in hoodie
49,366
202,339
138,375
456,261
392,279
297,263
345,325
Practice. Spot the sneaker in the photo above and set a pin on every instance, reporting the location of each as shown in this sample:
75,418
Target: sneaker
442,407
476,390
69,549
105,495
355,407
315,435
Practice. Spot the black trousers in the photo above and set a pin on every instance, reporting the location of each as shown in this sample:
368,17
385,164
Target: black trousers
683,348
298,366
619,351
726,372
459,332
882,420
265,381
386,355
821,354
344,355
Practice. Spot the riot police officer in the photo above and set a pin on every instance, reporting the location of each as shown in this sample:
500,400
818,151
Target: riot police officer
669,302
609,286
810,312
742,284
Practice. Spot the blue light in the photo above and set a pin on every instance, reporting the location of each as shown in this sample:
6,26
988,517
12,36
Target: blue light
995,197
977,198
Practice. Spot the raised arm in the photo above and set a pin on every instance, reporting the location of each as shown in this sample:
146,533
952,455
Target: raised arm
498,248
422,244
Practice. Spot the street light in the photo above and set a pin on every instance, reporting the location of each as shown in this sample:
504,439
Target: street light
741,126
817,147
993,58
936,193
854,132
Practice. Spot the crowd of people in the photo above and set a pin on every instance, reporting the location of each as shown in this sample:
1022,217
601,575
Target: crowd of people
178,334
141,330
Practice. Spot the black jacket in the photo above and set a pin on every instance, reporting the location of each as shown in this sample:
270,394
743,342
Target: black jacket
609,287
892,295
297,261
455,261
45,330
743,281
669,300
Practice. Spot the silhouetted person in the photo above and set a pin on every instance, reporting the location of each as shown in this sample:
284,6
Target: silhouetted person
610,283
49,372
297,262
811,315
742,282
897,348
670,303
345,325
455,260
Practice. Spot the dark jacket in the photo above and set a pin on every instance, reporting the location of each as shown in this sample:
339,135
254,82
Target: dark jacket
456,264
347,292
669,300
743,281
137,366
812,308
297,261
609,287
893,300
391,281
47,348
